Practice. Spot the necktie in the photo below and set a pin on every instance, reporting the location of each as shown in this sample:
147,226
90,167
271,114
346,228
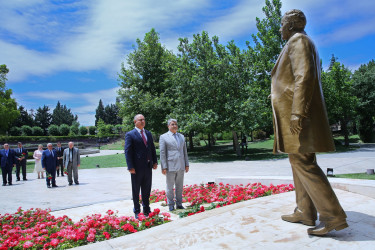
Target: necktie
51,152
176,138
143,137
6,152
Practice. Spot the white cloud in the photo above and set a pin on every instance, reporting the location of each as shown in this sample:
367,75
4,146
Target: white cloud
236,21
85,104
95,43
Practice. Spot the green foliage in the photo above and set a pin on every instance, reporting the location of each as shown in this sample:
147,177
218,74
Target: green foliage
74,130
53,130
62,115
99,113
64,129
119,129
338,92
15,131
92,130
109,129
25,118
43,118
145,85
102,129
364,90
83,130
26,130
8,105
37,131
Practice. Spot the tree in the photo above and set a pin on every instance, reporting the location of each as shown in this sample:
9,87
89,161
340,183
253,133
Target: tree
8,105
338,91
64,129
99,113
144,83
43,118
37,131
267,47
26,130
62,115
111,114
92,130
15,131
53,130
364,90
83,130
24,119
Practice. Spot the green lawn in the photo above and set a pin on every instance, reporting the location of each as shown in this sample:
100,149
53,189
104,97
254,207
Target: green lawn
356,176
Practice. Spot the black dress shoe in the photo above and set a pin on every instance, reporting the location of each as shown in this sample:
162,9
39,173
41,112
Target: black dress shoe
171,208
48,186
62,175
55,186
70,184
18,179
10,184
180,207
77,183
25,179
4,184
136,215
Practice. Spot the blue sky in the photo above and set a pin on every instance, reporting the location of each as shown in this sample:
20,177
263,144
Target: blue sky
71,51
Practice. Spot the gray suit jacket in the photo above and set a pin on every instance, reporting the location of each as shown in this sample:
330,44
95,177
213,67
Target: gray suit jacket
76,157
172,156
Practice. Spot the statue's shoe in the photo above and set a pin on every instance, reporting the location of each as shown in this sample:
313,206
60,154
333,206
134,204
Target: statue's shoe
297,217
325,227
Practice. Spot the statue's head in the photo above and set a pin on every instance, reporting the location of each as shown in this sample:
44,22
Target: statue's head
293,21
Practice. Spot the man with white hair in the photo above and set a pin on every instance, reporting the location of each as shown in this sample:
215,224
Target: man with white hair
174,162
49,163
71,161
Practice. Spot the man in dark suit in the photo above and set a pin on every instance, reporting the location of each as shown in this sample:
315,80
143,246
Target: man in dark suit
60,153
141,158
49,163
8,158
21,155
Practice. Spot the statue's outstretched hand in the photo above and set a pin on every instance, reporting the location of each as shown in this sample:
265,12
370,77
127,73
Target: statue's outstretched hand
296,124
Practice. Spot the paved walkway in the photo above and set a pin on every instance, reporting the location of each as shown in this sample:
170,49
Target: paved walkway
251,224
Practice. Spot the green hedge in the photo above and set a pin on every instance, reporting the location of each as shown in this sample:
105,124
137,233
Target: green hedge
49,138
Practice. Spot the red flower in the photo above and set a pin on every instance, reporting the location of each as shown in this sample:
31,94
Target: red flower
106,235
202,209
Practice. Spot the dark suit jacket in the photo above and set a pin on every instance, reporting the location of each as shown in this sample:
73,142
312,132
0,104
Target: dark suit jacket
10,159
21,153
49,162
136,152
61,153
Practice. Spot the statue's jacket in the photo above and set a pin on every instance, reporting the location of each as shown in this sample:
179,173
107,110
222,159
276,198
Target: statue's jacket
296,89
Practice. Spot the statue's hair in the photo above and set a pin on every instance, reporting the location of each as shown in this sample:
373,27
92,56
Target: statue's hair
297,18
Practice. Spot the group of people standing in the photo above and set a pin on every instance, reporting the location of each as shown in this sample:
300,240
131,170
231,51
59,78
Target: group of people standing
51,161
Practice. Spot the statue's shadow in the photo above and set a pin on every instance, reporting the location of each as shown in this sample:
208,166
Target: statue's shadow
361,228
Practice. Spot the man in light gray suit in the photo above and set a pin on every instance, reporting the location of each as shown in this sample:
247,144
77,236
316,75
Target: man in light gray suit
174,162
71,162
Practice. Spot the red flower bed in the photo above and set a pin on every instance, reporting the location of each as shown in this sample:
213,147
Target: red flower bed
221,194
38,229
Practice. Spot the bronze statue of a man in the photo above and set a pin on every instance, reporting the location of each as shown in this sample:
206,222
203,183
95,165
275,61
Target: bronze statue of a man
301,126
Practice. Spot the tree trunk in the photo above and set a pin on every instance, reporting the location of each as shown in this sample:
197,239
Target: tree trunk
209,140
235,143
191,144
345,132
